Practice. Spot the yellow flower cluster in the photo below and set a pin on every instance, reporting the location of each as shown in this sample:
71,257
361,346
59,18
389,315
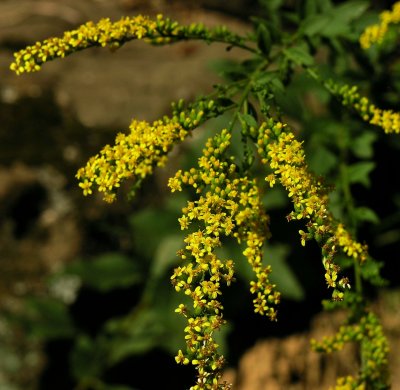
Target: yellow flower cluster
104,33
376,33
134,156
280,150
160,31
369,334
228,205
388,120
350,247
348,383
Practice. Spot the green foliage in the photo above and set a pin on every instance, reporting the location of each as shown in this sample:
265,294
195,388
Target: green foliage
106,272
285,129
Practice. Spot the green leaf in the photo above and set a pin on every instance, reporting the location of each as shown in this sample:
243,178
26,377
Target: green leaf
106,272
248,119
133,335
314,24
365,214
266,77
336,21
87,358
370,270
282,275
350,10
165,255
47,318
264,41
277,85
325,5
362,146
153,324
359,172
335,27
228,69
342,16
310,7
322,160
299,55
270,5
151,225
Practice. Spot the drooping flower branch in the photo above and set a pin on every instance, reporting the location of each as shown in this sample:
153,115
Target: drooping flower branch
228,206
105,33
281,152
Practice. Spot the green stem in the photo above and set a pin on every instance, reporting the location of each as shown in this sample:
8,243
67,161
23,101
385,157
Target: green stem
245,94
349,205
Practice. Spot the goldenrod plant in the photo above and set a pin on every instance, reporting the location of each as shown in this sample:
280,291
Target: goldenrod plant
260,147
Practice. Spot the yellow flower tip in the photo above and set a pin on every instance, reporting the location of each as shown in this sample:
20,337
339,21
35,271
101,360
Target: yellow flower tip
109,197
181,359
174,184
104,33
86,186
377,32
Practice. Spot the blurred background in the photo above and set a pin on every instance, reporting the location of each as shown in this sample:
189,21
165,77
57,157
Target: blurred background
85,297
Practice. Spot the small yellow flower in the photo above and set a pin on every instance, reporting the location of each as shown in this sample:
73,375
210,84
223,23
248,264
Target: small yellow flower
86,186
181,358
